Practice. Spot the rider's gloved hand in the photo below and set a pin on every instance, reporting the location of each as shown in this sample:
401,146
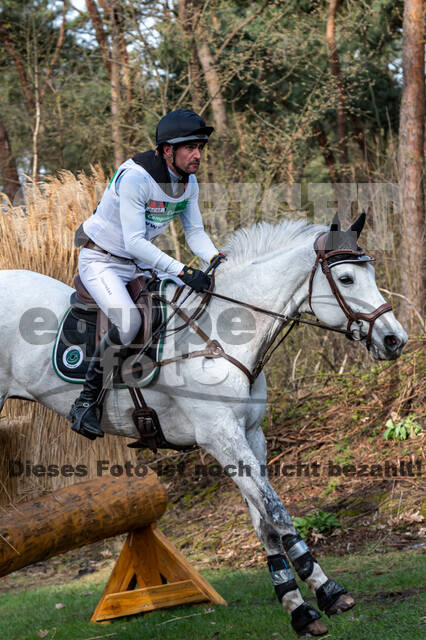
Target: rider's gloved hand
195,278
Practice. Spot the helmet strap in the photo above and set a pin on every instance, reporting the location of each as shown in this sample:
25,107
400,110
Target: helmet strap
181,173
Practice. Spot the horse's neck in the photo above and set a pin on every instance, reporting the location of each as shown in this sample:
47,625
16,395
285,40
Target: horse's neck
278,283
273,283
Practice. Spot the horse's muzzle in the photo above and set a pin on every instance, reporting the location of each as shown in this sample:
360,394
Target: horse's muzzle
394,345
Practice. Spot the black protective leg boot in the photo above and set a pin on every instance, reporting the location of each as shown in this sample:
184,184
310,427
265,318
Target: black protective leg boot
84,412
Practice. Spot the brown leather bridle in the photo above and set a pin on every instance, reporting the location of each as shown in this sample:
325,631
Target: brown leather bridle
214,349
322,259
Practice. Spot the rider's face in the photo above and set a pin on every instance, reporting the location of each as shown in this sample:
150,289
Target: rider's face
187,156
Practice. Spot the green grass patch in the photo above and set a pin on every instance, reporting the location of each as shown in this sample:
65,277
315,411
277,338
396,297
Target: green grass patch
389,589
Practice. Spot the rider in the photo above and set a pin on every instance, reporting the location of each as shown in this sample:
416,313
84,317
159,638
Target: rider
144,195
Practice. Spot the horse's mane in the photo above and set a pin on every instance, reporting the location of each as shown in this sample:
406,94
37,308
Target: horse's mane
264,238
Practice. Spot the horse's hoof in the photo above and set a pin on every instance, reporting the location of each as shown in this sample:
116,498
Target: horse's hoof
305,620
342,604
315,628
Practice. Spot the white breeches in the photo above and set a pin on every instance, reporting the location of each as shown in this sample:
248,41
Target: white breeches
105,278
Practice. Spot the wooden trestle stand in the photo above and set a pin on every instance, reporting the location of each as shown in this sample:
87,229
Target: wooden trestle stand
150,573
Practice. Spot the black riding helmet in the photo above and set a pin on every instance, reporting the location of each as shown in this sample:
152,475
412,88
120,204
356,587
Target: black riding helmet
181,125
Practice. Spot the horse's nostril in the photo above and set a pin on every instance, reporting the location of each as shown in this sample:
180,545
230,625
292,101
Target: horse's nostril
392,342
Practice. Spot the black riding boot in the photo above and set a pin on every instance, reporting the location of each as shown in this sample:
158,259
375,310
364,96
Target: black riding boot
83,413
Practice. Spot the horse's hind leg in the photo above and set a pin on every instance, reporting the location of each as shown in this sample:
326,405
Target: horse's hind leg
3,399
331,597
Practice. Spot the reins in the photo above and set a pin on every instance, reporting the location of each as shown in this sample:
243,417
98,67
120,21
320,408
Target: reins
275,314
214,349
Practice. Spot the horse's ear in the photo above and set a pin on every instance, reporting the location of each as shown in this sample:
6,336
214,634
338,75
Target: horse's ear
335,224
358,225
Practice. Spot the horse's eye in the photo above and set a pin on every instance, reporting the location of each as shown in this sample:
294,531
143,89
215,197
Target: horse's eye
346,280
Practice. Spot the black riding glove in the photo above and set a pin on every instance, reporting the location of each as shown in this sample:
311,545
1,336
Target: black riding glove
195,278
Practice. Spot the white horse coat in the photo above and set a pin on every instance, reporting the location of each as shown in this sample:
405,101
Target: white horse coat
202,401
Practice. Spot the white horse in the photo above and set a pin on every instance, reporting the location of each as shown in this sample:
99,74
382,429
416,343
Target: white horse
210,402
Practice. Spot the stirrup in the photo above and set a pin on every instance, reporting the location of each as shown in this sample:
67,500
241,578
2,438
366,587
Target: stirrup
76,421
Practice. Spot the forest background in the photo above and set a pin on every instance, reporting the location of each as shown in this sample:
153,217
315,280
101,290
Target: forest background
318,106
300,92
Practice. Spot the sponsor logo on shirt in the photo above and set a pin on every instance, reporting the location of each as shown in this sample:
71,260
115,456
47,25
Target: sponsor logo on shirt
162,212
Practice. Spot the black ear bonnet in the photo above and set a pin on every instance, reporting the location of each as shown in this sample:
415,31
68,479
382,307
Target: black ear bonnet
345,243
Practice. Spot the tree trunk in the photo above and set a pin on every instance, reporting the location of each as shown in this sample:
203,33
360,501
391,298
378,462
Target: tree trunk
36,129
112,57
188,17
101,37
411,161
213,87
327,153
342,130
19,64
78,515
127,100
8,169
128,87
217,102
116,56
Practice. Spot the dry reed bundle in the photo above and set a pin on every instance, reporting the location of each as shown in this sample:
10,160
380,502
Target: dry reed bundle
39,236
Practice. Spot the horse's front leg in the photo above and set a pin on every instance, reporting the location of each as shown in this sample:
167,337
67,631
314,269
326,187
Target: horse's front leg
305,619
226,441
331,597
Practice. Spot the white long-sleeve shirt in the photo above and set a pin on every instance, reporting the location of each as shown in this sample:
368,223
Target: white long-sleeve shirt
134,209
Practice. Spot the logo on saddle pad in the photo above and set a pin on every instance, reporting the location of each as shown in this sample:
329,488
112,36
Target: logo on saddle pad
162,212
73,357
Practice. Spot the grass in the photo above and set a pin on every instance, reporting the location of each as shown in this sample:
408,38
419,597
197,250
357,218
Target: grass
389,589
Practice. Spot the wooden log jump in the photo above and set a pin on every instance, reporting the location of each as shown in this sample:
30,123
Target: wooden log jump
78,515
150,572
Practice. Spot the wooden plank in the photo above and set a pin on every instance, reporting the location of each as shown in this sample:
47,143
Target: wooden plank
144,557
122,572
149,598
192,573
120,577
168,567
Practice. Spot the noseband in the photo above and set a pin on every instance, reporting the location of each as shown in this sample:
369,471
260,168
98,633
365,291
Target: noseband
322,259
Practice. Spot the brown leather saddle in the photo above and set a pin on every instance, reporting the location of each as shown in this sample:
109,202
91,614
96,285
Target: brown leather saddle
139,290
144,417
